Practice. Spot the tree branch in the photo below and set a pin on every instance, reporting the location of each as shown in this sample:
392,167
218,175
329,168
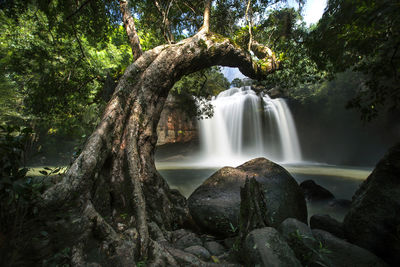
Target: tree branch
78,10
169,37
129,25
207,14
249,22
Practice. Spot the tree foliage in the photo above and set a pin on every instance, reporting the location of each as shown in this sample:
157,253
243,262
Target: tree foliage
285,32
192,91
59,76
362,36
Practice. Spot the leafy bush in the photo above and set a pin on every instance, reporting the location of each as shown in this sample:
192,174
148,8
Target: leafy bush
17,191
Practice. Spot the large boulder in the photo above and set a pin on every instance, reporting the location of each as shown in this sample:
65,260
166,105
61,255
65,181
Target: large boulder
215,205
373,221
314,192
266,247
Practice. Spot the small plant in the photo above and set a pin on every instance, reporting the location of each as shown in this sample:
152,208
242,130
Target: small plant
322,249
233,228
236,245
141,263
296,235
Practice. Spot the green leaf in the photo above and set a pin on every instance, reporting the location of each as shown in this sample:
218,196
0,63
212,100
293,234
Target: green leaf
44,233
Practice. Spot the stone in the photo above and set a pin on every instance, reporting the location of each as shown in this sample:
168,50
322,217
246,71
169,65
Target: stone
265,247
199,251
340,203
300,238
215,205
314,192
184,258
334,251
373,221
183,239
327,223
215,248
320,248
229,242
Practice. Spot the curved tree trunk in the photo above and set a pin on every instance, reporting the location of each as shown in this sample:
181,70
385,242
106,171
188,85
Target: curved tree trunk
115,203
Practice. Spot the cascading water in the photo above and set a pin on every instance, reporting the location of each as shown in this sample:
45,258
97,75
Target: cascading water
245,126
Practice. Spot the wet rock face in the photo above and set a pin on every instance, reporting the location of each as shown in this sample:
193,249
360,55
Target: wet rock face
373,221
175,126
215,205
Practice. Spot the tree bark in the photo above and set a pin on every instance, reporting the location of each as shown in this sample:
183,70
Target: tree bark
207,15
249,21
112,193
129,24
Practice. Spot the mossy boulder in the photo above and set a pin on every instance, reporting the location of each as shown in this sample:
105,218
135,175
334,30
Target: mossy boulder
215,205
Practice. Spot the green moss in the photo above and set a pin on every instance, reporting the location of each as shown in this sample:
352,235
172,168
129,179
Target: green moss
264,64
213,49
202,44
215,37
141,119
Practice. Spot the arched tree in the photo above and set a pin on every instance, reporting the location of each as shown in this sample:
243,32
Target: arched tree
114,205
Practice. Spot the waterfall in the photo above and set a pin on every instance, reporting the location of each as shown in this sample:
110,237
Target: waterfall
245,126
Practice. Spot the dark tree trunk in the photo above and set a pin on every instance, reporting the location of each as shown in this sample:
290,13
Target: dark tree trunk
117,206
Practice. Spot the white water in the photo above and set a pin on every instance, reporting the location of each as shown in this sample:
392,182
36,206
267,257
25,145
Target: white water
246,126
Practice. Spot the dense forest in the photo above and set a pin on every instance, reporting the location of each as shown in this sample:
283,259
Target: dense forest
89,79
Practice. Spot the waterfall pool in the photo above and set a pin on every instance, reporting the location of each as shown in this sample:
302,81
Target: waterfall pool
246,125
342,181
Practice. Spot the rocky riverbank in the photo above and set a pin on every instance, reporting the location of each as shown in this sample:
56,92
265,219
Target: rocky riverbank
255,215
